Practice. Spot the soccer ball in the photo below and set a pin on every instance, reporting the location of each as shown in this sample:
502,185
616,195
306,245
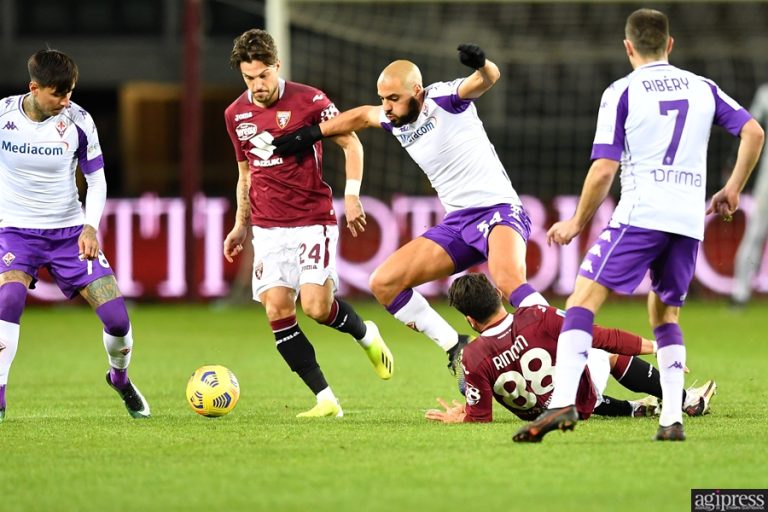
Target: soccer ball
213,390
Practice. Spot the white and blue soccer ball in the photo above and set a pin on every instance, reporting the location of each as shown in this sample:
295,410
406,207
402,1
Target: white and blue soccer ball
213,390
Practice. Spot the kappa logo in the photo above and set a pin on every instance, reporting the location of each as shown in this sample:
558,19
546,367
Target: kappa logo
8,258
10,125
412,325
317,97
282,118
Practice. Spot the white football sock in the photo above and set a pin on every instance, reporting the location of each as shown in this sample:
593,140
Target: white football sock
671,361
572,351
9,338
119,349
418,314
327,394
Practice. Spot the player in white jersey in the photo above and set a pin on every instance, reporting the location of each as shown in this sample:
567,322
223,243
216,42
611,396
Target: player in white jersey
752,246
44,137
655,122
439,127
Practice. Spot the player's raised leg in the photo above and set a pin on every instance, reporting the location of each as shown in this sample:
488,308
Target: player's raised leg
419,261
13,294
104,297
319,304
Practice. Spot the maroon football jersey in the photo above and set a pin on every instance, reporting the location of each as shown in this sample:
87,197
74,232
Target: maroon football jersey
285,191
513,363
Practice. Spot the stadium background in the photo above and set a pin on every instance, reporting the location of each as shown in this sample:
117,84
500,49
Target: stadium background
556,58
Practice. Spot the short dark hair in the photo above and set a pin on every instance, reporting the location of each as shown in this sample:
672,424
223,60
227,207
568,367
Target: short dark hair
648,31
475,296
52,68
254,44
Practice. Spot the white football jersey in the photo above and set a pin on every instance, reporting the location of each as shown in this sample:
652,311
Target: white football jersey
450,145
656,121
38,163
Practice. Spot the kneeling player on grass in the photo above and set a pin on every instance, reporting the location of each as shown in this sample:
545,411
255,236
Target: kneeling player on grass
513,362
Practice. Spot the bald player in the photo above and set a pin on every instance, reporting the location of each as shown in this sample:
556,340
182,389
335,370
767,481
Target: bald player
439,127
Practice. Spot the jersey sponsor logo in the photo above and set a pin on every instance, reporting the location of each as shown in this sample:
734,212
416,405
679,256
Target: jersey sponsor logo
10,125
428,126
511,354
472,395
93,149
267,163
317,97
243,115
44,149
685,178
282,117
245,131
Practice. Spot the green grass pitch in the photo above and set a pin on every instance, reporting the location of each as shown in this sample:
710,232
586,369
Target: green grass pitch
69,445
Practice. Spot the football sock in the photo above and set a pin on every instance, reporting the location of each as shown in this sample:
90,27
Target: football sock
119,349
344,318
613,407
2,397
326,394
525,295
637,375
12,298
671,358
411,308
572,350
114,316
298,352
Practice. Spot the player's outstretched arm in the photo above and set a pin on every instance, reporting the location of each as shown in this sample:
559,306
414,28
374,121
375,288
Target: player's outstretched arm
486,72
304,138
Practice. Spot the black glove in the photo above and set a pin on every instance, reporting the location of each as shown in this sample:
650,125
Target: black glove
299,141
471,55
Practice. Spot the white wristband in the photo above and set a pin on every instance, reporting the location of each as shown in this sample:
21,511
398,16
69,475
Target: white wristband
352,188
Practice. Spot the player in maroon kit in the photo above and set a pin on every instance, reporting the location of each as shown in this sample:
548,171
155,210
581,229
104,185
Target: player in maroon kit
513,362
290,212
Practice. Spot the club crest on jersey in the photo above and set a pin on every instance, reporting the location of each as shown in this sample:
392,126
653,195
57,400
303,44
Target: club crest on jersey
8,258
61,127
245,131
258,270
282,117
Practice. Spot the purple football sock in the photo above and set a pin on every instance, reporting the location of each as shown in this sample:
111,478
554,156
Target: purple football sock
2,396
119,378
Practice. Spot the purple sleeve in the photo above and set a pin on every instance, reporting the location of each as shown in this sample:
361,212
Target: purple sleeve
727,115
613,151
88,165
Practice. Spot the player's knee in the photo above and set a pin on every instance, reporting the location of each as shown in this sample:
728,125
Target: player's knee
317,310
12,297
381,285
114,316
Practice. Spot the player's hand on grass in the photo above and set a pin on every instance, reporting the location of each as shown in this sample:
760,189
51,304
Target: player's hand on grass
563,232
471,55
233,244
452,414
88,243
724,203
353,210
297,142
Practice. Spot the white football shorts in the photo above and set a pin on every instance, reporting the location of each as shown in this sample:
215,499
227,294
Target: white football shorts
292,257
